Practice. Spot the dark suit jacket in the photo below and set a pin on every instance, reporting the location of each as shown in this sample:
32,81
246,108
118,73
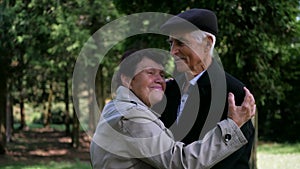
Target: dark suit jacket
208,96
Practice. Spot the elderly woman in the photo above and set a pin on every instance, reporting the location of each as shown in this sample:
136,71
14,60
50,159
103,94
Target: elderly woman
131,135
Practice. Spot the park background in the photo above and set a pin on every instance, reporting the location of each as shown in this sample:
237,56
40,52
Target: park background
40,40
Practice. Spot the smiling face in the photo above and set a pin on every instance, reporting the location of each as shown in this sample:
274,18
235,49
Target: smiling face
189,54
148,83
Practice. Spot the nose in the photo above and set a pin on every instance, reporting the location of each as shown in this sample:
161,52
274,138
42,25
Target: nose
159,79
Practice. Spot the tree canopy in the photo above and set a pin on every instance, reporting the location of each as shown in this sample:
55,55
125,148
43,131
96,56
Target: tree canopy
258,42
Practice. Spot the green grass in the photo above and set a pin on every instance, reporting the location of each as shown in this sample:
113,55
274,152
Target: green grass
278,156
58,127
49,165
275,148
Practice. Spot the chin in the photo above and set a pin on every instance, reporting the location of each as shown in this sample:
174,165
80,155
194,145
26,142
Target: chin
182,68
156,97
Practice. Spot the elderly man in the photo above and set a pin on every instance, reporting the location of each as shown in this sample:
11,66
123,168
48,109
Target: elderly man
202,85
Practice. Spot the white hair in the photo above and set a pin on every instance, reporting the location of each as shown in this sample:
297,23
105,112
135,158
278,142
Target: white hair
199,35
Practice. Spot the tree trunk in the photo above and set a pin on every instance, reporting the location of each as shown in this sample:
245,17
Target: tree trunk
22,112
91,105
67,112
3,94
44,100
95,100
99,93
22,105
75,132
253,160
9,116
47,113
76,114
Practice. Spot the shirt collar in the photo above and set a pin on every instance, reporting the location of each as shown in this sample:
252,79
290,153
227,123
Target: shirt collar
123,94
195,79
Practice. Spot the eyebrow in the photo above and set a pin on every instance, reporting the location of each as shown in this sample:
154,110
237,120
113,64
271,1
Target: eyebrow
149,68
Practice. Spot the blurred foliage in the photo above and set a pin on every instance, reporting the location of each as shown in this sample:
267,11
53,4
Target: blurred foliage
258,42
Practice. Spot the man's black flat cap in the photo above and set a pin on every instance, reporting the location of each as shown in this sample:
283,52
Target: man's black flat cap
191,20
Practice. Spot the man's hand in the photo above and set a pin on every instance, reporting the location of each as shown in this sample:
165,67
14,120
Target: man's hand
241,114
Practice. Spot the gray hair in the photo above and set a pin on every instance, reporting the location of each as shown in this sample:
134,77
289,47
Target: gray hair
199,35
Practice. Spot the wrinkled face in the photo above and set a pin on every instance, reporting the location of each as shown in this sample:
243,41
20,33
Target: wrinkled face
189,54
148,84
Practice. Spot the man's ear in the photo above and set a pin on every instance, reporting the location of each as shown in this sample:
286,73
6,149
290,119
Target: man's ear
209,41
125,81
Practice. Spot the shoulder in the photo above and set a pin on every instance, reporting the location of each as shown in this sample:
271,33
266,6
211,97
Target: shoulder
124,110
233,82
231,79
172,87
236,87
171,81
128,117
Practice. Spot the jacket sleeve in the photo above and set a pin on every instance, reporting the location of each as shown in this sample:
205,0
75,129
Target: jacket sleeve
240,158
153,143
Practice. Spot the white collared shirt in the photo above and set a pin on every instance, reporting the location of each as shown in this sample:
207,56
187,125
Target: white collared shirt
185,96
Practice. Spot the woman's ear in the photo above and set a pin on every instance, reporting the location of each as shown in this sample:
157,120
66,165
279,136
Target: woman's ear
125,81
